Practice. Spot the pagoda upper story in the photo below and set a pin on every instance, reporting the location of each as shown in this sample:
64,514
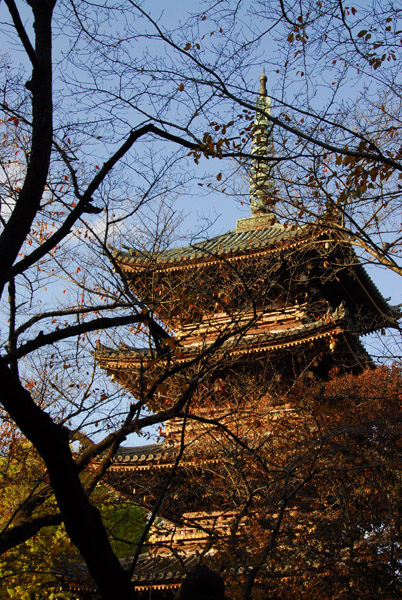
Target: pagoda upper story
262,288
277,281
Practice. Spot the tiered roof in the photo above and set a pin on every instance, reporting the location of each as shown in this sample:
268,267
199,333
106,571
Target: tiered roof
272,330
275,327
251,236
257,236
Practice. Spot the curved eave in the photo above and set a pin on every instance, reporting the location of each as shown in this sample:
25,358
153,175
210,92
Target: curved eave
156,465
154,456
105,352
155,586
166,572
115,360
161,572
390,314
232,247
248,242
357,348
142,453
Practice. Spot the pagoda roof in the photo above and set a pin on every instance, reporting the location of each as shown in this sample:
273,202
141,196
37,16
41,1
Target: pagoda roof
162,455
253,236
154,571
159,572
166,571
327,326
144,453
250,235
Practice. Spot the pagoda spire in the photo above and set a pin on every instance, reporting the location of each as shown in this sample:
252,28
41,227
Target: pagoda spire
262,189
263,83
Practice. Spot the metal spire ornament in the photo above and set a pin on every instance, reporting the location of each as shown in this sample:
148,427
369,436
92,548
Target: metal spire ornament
262,189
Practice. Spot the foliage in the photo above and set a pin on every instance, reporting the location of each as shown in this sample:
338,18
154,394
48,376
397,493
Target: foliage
123,520
36,568
28,571
323,493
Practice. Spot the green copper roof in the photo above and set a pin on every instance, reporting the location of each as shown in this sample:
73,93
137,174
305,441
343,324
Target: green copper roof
250,234
254,235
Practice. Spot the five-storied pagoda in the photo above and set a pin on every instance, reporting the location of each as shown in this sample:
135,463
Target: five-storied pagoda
249,312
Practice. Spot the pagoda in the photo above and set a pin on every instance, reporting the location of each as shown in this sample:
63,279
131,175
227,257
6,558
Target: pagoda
248,313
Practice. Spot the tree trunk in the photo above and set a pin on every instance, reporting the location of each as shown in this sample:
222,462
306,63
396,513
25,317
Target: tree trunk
82,520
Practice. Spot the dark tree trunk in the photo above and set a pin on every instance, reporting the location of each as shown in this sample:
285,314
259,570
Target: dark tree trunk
82,521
